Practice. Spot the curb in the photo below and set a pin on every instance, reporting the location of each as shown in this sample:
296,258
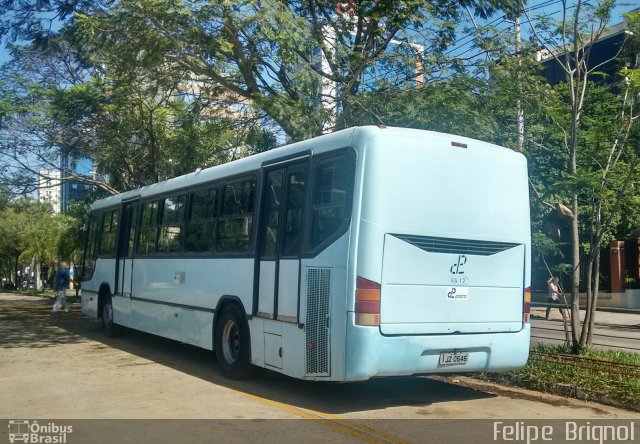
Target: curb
619,310
567,390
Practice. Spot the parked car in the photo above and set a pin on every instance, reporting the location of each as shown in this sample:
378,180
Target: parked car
8,286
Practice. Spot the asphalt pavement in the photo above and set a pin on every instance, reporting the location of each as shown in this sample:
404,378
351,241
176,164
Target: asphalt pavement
613,330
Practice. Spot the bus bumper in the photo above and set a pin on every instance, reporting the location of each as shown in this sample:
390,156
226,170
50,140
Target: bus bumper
370,354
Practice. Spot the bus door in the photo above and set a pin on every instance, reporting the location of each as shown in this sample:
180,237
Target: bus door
124,257
281,232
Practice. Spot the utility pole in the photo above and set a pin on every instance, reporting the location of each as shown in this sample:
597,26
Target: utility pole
519,110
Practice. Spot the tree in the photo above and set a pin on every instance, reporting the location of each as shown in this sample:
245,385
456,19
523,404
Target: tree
138,130
606,176
601,165
12,242
135,119
30,233
278,55
31,139
71,239
456,106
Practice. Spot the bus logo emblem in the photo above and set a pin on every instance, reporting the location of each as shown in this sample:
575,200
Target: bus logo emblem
457,293
457,267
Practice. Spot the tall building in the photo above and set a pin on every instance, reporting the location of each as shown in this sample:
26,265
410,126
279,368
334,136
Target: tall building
604,56
54,189
50,189
73,190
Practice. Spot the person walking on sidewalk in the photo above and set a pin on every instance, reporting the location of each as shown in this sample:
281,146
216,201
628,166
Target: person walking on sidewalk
61,285
554,295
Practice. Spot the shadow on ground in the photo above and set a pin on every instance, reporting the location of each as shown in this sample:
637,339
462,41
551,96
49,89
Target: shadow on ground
31,324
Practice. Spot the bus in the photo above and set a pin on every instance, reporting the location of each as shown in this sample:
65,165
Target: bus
368,252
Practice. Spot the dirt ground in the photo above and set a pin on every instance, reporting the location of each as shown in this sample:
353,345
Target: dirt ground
60,366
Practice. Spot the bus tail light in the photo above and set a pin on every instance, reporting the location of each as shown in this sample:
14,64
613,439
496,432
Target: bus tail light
526,306
367,302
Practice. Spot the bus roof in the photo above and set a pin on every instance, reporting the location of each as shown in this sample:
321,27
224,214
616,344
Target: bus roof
340,139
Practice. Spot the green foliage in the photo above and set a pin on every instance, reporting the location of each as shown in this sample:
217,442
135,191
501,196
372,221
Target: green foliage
152,89
136,121
260,140
142,87
29,229
612,375
70,244
455,106
269,52
486,109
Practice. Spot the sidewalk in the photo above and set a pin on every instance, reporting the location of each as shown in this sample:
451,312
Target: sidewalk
629,318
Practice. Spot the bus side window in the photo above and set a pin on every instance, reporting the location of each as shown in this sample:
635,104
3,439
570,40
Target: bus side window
235,225
201,222
108,233
88,264
331,198
172,224
294,212
148,233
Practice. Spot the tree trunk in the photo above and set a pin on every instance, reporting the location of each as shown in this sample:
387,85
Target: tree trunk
587,316
16,271
575,277
154,149
594,303
38,272
575,233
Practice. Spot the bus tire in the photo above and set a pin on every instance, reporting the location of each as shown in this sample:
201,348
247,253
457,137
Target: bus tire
233,344
108,327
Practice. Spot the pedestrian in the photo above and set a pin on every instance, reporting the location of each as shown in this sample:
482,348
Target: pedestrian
61,285
554,294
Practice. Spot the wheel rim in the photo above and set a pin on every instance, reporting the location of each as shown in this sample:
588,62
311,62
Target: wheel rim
230,342
107,315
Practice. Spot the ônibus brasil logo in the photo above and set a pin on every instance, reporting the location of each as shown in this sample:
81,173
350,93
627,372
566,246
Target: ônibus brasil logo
32,432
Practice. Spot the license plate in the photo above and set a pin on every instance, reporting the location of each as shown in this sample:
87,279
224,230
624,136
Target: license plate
454,358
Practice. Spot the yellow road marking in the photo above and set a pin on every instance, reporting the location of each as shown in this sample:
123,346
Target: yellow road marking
349,427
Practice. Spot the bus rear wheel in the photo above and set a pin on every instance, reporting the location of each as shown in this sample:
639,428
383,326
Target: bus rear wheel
233,344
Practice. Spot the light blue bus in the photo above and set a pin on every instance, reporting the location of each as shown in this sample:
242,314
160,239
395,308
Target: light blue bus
368,252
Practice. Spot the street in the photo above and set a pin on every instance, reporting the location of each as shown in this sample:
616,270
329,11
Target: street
59,366
618,331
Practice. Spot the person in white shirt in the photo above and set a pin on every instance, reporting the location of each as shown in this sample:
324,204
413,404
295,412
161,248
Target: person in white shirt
554,294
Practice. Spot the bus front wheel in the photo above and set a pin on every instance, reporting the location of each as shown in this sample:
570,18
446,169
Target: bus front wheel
108,327
233,344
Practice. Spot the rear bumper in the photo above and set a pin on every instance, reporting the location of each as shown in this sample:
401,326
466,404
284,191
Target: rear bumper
370,354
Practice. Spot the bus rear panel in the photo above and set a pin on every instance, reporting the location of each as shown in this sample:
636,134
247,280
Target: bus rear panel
443,244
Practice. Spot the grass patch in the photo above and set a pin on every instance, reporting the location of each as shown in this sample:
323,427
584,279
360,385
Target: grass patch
610,377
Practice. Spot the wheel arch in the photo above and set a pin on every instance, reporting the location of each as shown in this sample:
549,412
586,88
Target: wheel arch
225,301
104,293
